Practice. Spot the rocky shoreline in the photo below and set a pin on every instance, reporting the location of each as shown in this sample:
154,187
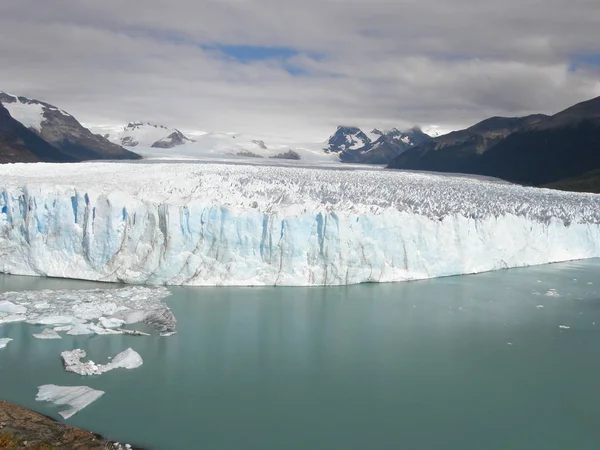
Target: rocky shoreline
21,428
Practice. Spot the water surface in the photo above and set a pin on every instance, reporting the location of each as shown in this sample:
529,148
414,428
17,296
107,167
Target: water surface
469,362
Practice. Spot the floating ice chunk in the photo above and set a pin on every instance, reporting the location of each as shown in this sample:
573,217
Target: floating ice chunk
110,322
11,308
564,327
4,342
55,320
552,293
89,328
42,305
48,333
128,359
77,397
539,306
12,318
72,311
137,333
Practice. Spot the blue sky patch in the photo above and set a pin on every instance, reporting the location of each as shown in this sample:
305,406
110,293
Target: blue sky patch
249,53
584,59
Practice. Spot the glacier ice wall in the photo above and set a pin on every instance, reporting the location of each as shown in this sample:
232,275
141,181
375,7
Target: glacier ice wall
210,224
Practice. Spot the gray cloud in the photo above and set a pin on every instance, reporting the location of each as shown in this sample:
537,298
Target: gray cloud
370,63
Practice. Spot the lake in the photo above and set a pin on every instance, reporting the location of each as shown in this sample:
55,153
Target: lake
458,363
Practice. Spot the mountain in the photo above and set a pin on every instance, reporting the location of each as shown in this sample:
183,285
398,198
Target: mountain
19,144
61,130
386,147
460,151
347,138
559,150
148,134
565,145
354,146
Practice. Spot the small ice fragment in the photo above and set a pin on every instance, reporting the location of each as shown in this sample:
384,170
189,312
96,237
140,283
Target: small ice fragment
4,342
47,334
55,320
509,343
63,328
552,293
13,318
539,281
77,397
11,308
110,322
539,306
564,327
128,359
79,329
42,305
136,332
589,282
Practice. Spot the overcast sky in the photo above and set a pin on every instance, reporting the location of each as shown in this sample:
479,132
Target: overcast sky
298,68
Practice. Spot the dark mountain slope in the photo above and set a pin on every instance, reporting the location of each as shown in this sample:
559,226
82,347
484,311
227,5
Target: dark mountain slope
19,144
64,132
460,151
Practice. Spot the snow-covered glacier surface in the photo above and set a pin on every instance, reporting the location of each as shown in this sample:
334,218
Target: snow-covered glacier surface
210,224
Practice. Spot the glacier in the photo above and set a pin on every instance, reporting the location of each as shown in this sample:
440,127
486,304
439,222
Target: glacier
234,224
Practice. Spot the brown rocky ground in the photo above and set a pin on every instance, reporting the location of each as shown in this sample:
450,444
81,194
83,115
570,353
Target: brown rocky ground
21,428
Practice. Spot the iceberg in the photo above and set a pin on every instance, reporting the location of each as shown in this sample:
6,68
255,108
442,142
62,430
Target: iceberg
128,359
91,311
4,342
77,397
48,333
219,224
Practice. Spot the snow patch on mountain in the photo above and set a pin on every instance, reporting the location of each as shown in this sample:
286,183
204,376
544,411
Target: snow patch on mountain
146,134
29,112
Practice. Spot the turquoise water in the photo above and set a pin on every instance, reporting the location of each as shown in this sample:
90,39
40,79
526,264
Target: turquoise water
459,363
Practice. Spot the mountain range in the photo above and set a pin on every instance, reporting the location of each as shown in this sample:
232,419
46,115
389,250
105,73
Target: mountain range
148,134
538,150
381,147
31,131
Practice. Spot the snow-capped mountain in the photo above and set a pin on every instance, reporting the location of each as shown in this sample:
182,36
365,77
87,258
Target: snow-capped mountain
146,134
378,147
347,138
61,130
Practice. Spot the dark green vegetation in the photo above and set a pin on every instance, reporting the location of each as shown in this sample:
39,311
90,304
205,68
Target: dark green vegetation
61,138
560,151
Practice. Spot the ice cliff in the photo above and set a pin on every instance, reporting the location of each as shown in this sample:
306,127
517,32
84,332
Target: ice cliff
210,224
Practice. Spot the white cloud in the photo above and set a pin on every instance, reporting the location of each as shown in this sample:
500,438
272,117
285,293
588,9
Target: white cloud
379,63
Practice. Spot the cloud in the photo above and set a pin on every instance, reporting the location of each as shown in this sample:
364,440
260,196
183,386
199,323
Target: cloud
300,68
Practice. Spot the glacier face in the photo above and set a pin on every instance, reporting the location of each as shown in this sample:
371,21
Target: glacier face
211,224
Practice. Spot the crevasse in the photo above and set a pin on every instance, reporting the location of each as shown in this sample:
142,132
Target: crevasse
203,224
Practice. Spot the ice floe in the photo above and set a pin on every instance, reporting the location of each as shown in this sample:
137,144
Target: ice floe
128,359
77,397
94,311
4,342
48,333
